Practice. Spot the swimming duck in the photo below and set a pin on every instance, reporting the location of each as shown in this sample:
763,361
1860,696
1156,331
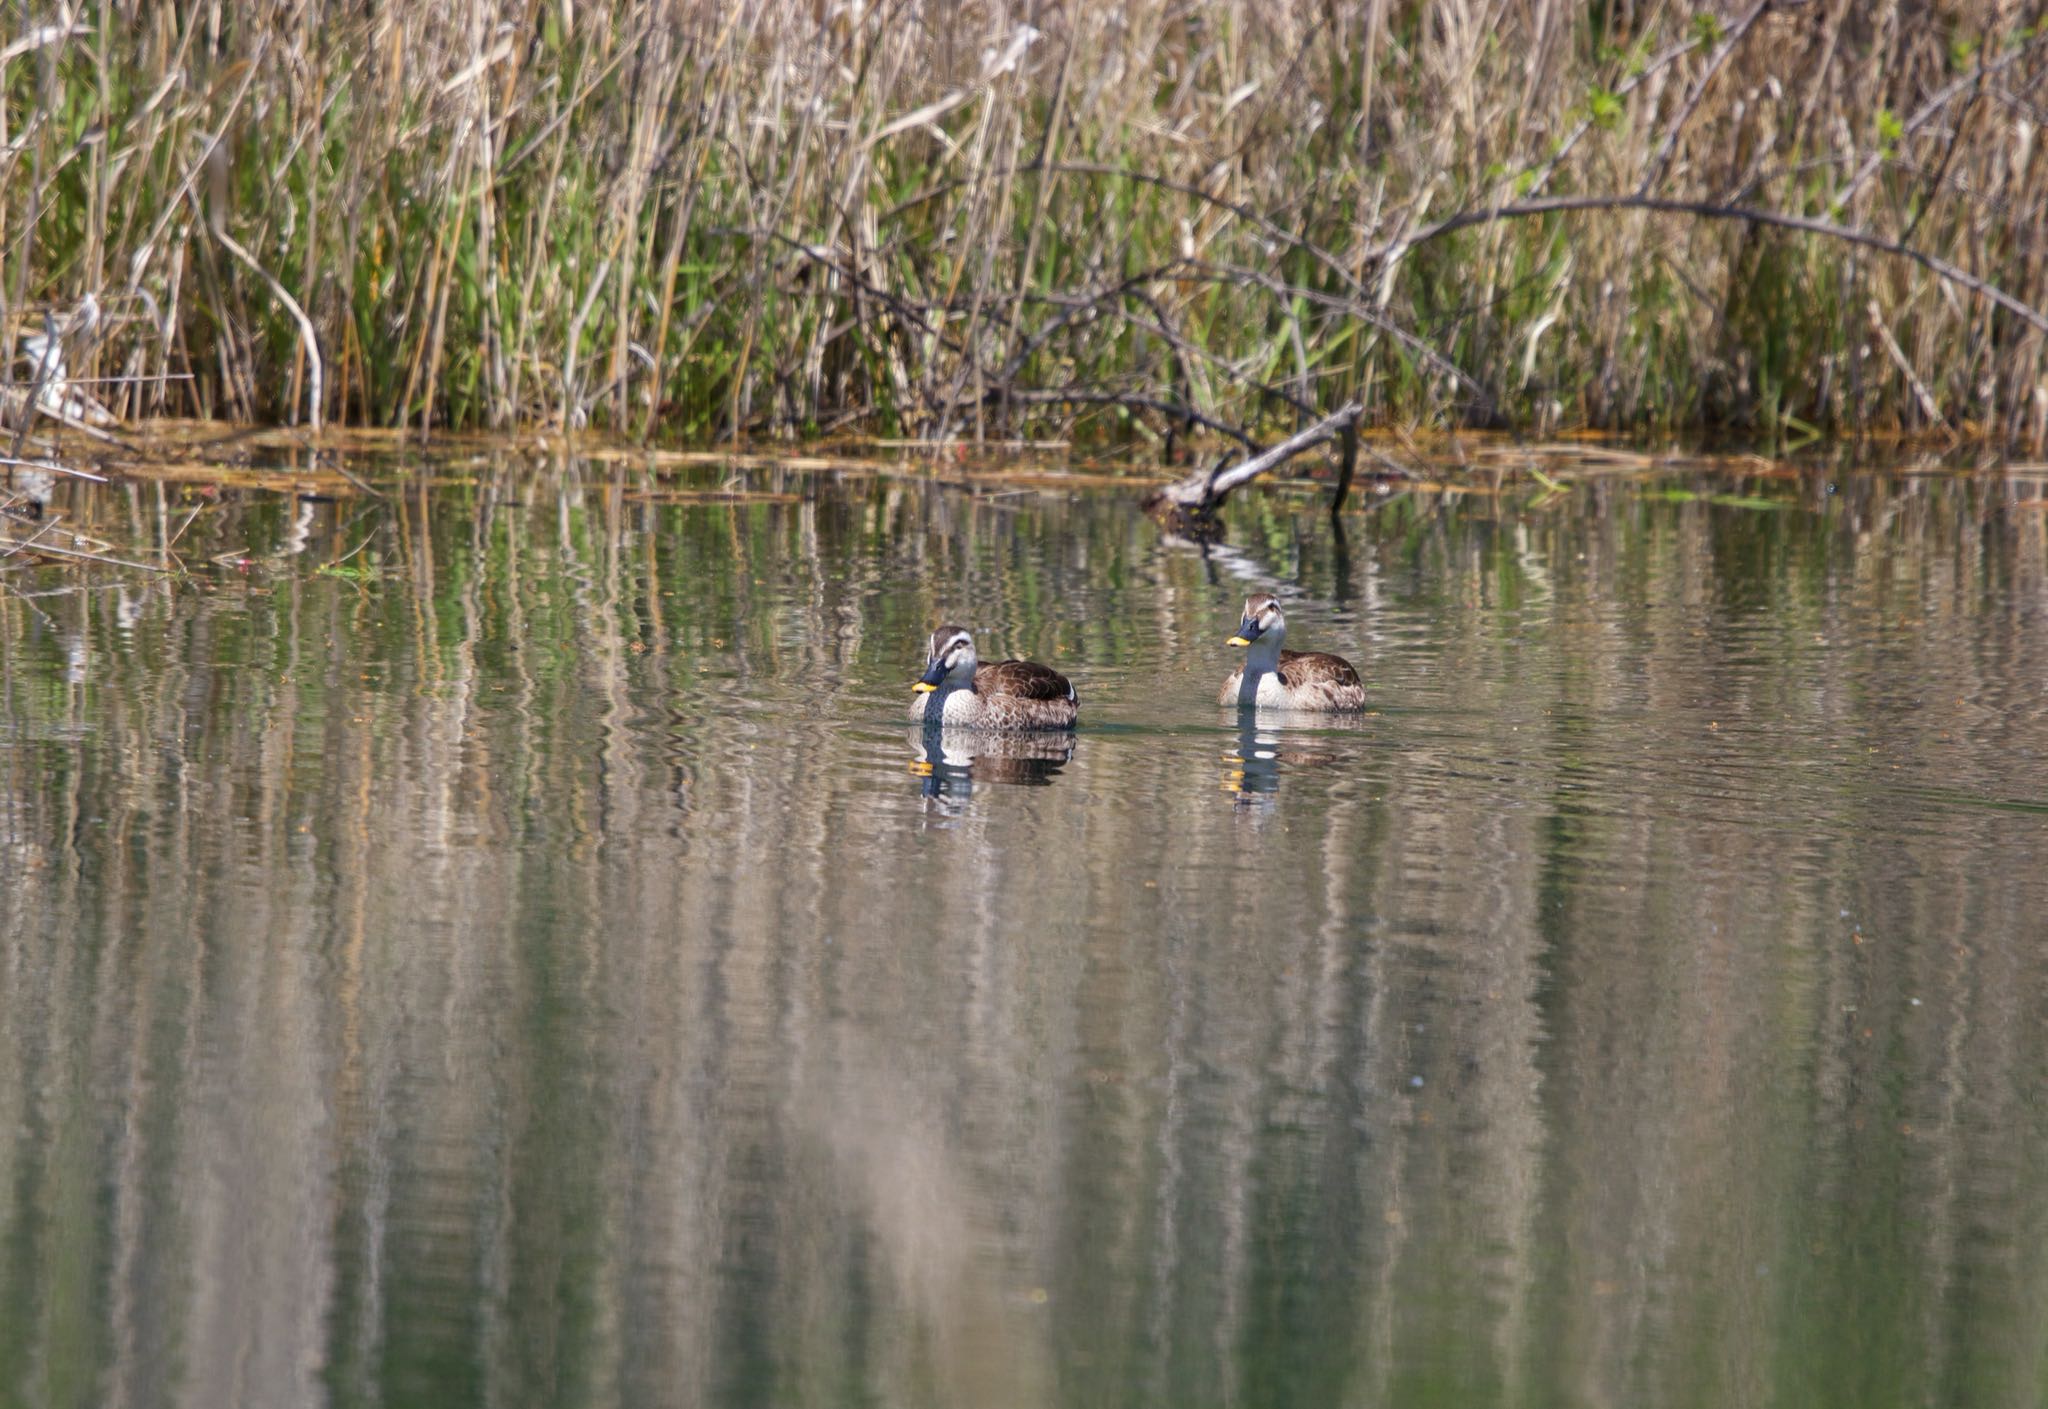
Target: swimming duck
957,688
1277,679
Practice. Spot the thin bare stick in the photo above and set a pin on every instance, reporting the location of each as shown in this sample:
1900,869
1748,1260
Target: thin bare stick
1079,397
16,545
1708,210
51,467
1654,168
108,558
307,337
1928,406
1930,109
572,392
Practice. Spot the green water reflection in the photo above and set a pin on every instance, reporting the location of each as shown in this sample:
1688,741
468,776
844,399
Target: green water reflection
533,962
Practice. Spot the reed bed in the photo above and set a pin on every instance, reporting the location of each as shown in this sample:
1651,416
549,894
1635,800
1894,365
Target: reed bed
958,220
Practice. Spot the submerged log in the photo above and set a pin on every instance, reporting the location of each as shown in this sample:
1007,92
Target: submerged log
1189,504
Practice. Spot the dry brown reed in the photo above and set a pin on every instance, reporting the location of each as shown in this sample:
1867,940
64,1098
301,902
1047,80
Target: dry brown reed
980,219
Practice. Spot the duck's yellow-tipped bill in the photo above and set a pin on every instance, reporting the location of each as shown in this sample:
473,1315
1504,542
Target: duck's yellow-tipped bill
1237,641
924,687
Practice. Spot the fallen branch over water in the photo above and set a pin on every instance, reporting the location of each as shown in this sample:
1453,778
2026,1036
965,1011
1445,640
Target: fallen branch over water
1192,501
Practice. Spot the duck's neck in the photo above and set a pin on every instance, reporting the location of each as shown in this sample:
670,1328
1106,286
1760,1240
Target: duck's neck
1261,658
1263,655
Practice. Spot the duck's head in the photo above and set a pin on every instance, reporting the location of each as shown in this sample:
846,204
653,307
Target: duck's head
1261,618
948,659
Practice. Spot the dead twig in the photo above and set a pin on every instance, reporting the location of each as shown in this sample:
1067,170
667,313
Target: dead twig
1190,503
1079,397
214,214
1654,168
50,467
14,545
1931,109
1708,210
1928,406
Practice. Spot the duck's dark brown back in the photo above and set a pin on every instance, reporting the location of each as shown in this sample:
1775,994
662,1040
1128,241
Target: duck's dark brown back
1303,669
1024,679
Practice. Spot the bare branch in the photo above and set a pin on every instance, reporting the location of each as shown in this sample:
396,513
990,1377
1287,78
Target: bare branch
1654,168
1555,205
1080,397
1930,109
1205,491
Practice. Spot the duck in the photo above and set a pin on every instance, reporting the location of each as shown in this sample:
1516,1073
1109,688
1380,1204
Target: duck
958,689
1277,679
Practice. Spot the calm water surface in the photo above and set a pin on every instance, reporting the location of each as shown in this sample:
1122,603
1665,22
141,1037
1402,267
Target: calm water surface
533,963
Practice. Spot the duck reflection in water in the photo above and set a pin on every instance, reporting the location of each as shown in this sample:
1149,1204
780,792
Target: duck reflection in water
950,761
1264,749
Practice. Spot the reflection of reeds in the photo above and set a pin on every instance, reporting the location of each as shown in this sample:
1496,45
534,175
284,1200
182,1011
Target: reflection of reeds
462,921
934,220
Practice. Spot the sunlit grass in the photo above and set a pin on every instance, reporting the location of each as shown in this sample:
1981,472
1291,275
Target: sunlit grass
702,222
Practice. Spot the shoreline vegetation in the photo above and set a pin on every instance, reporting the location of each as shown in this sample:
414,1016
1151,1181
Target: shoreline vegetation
1220,222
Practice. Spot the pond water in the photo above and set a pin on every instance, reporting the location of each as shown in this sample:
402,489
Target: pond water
498,943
